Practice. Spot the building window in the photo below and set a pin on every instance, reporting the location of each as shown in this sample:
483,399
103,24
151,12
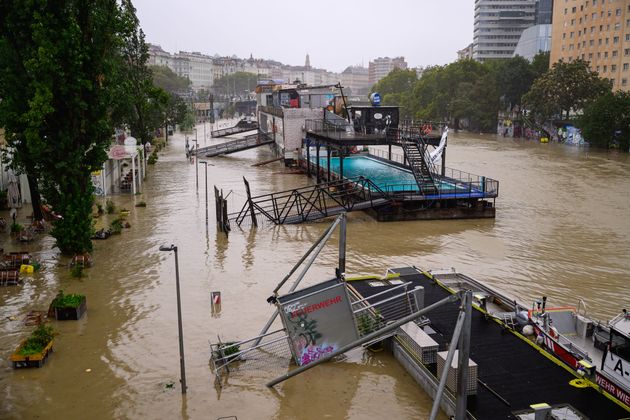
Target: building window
618,12
626,66
615,40
626,52
613,68
605,69
565,11
615,53
605,54
627,37
564,35
624,82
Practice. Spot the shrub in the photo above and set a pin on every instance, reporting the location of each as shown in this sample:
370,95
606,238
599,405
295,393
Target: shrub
76,271
110,207
38,340
71,300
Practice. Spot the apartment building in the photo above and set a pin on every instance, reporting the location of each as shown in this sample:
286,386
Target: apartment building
381,67
597,31
498,25
357,79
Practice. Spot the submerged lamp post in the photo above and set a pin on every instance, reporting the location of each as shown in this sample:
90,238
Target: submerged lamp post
182,367
205,162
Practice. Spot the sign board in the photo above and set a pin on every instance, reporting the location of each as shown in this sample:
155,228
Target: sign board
318,320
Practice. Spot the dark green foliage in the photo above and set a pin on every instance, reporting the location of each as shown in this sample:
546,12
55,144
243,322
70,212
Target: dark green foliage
152,158
606,121
16,228
38,340
116,226
60,79
67,301
235,84
227,350
165,78
565,87
110,207
76,271
141,204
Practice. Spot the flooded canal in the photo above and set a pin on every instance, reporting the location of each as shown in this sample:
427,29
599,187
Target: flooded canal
562,229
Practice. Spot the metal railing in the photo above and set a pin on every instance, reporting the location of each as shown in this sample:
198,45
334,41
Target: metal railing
313,202
461,180
233,146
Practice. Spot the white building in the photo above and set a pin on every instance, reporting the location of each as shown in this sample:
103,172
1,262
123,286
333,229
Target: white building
356,78
382,66
498,26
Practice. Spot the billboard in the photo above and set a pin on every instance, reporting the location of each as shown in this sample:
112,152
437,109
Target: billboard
318,320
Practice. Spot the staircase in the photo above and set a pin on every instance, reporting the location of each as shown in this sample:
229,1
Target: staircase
417,156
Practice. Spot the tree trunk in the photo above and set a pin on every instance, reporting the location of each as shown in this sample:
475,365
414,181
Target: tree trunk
35,198
166,132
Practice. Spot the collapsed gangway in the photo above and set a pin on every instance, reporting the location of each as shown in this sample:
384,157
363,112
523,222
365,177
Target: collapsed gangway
241,127
238,145
312,202
323,321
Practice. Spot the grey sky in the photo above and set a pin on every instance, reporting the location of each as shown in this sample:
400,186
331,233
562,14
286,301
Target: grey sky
336,34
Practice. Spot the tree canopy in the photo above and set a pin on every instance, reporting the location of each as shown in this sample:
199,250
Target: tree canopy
465,90
165,78
566,86
61,72
606,121
235,84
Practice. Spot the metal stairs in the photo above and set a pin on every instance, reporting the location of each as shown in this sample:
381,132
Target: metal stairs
418,158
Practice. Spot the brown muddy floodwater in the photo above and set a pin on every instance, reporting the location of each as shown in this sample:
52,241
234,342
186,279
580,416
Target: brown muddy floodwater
562,229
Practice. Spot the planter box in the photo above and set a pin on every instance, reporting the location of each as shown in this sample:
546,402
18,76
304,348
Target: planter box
34,360
72,314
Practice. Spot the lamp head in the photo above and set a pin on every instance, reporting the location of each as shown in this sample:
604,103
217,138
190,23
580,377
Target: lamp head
168,247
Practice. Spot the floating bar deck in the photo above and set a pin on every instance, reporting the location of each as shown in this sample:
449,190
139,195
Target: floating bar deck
513,374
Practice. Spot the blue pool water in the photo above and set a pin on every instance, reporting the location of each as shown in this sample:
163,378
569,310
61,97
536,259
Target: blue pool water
385,175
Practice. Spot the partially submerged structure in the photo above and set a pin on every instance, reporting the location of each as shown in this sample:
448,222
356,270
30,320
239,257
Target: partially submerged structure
470,361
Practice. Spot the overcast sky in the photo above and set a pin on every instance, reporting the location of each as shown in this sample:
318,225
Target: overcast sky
335,34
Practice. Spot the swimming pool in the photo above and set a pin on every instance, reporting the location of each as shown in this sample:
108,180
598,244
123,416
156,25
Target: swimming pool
390,177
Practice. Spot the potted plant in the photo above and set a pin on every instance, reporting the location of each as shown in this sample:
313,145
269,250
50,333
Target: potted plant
68,307
33,351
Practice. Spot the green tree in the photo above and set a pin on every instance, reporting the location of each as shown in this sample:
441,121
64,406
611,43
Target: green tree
144,104
566,86
513,77
165,78
235,84
540,64
59,66
396,89
606,121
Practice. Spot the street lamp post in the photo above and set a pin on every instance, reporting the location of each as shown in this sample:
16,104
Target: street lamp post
205,162
182,366
196,162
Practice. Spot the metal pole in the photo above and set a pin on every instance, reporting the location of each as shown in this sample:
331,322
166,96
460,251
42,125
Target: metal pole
179,325
196,163
464,354
449,359
342,245
319,245
362,340
206,196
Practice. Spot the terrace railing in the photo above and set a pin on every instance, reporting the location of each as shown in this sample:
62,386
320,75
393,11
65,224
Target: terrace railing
313,202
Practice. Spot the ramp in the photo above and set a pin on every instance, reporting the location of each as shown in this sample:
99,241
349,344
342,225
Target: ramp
312,202
241,127
248,142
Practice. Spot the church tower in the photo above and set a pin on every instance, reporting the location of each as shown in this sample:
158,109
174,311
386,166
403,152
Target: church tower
307,63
